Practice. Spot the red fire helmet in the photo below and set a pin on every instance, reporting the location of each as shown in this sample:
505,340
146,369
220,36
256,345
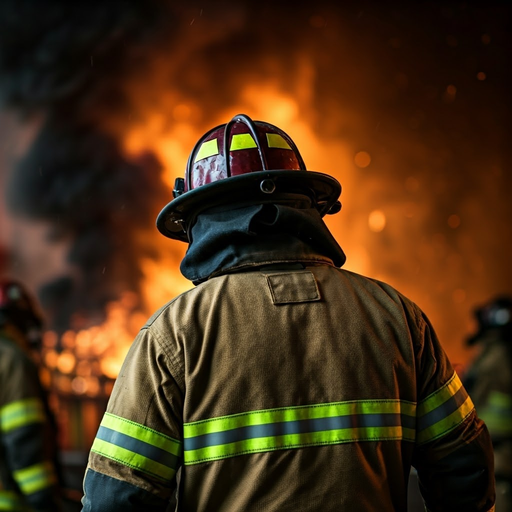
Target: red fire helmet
264,165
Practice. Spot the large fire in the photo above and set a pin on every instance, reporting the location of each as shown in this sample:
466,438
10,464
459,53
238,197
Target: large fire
90,359
410,121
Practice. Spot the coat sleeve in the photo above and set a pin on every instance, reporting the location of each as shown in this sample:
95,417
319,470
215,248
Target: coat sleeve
137,451
453,454
25,432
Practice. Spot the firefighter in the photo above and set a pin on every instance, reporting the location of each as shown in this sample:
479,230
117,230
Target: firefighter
489,382
280,382
28,446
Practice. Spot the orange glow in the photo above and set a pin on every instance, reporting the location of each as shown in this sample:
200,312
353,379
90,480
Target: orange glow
181,112
412,184
454,221
66,362
170,132
68,339
79,385
99,351
362,159
377,221
449,94
50,339
111,366
96,353
459,295
410,210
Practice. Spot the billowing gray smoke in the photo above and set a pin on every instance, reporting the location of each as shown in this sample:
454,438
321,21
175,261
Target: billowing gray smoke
67,61
75,177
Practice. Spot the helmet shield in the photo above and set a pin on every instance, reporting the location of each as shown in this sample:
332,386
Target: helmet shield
243,161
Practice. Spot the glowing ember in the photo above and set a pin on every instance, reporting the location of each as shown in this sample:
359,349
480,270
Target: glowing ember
377,221
362,159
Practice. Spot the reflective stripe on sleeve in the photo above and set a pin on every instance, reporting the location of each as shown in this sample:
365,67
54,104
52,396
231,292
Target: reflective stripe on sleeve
12,501
443,410
297,427
137,447
35,478
497,414
21,413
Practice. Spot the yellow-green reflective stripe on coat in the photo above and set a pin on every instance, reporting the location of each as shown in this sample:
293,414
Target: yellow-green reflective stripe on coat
295,427
497,413
137,446
319,424
443,410
12,502
21,413
35,478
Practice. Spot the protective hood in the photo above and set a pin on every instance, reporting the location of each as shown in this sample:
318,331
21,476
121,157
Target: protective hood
227,240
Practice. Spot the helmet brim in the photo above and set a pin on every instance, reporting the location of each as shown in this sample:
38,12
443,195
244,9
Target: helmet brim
174,218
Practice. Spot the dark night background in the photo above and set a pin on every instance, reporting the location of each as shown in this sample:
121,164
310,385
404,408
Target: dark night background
407,104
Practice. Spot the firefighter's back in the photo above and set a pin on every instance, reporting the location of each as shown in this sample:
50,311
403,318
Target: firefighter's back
300,388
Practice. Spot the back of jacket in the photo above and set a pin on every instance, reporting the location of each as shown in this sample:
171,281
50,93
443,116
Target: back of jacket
312,389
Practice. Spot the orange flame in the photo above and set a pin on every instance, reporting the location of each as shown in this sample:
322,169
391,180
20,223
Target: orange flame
92,356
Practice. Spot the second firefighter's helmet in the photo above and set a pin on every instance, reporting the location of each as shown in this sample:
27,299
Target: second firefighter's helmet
243,161
496,315
17,307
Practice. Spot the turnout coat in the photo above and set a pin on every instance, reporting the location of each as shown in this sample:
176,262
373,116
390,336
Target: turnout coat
28,444
286,388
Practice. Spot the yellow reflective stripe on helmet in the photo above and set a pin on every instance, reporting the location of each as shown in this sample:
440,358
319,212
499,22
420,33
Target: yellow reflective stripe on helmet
208,148
21,413
296,427
275,140
497,414
13,502
35,478
242,141
137,446
443,410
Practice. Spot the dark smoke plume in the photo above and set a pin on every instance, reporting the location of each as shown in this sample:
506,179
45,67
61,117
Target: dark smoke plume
53,51
69,61
75,177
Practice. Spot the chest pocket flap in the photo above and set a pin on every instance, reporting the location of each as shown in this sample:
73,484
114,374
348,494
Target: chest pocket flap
293,287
